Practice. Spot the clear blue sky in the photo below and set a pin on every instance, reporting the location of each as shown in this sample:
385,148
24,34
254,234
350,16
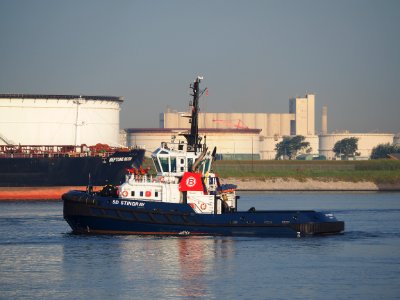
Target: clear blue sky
254,55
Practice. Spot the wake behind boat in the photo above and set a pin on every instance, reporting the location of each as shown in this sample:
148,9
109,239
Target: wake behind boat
184,198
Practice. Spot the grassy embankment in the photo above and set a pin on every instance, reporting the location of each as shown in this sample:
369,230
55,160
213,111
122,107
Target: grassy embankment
377,171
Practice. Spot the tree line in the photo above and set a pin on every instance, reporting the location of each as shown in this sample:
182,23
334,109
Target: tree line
290,146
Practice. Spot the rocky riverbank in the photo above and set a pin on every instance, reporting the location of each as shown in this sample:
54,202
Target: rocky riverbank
280,184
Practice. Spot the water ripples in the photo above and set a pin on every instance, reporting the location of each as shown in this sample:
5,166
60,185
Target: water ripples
41,258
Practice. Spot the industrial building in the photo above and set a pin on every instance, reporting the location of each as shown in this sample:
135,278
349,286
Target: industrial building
238,144
255,135
366,142
396,139
28,119
273,126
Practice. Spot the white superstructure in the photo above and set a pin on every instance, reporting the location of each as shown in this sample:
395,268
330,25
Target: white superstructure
59,119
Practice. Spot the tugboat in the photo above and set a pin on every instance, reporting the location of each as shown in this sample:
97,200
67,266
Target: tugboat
184,198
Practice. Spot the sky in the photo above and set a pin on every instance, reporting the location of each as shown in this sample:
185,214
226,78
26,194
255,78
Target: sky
254,55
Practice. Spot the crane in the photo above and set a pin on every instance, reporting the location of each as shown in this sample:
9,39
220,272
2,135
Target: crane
228,123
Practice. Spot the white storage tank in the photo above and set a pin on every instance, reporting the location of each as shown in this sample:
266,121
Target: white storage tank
396,139
59,119
366,142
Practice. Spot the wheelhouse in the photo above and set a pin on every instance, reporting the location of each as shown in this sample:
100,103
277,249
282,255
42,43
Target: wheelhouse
172,159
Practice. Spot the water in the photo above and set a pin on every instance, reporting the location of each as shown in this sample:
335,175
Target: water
40,258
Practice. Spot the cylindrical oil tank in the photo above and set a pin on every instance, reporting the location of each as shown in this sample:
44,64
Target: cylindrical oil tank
396,139
366,142
59,119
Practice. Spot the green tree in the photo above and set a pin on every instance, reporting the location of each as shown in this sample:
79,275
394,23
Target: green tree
382,150
290,146
346,147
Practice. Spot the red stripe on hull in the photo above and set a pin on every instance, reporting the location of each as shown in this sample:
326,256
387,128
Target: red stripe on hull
36,193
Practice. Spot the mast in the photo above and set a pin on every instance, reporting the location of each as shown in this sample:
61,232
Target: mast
193,137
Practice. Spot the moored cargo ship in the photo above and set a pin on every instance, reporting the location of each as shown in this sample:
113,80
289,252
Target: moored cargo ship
45,172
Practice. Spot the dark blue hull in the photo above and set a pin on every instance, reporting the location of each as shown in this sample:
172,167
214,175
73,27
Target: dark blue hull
68,171
106,215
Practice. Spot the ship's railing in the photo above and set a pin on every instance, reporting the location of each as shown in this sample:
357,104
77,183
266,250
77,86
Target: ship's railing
54,155
132,178
30,151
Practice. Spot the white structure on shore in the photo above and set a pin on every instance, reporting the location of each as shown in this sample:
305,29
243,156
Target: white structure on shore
396,139
232,135
246,135
59,119
240,144
366,142
273,126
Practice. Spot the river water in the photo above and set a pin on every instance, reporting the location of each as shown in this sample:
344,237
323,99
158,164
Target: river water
41,259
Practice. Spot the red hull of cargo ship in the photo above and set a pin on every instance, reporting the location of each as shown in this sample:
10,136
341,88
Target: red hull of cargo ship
46,172
37,193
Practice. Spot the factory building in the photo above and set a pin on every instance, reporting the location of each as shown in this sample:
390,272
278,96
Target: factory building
396,139
59,119
366,142
28,119
303,110
238,144
273,126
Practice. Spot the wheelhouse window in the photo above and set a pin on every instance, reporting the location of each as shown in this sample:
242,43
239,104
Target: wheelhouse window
156,164
164,164
173,164
190,164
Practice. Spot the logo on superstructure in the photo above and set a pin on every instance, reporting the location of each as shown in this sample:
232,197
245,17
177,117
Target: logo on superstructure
191,181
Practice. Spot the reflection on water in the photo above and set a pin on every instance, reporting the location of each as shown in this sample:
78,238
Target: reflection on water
40,258
197,259
173,266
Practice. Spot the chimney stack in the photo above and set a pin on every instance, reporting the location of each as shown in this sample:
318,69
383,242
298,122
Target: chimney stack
324,129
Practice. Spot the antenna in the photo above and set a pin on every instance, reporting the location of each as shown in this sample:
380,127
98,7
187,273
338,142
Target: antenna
193,137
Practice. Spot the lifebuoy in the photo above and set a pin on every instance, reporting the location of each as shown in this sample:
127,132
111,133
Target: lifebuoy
203,206
124,194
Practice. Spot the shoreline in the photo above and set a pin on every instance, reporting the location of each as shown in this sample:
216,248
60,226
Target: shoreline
291,184
245,184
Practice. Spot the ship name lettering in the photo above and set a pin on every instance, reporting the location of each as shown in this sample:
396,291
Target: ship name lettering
132,203
115,159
